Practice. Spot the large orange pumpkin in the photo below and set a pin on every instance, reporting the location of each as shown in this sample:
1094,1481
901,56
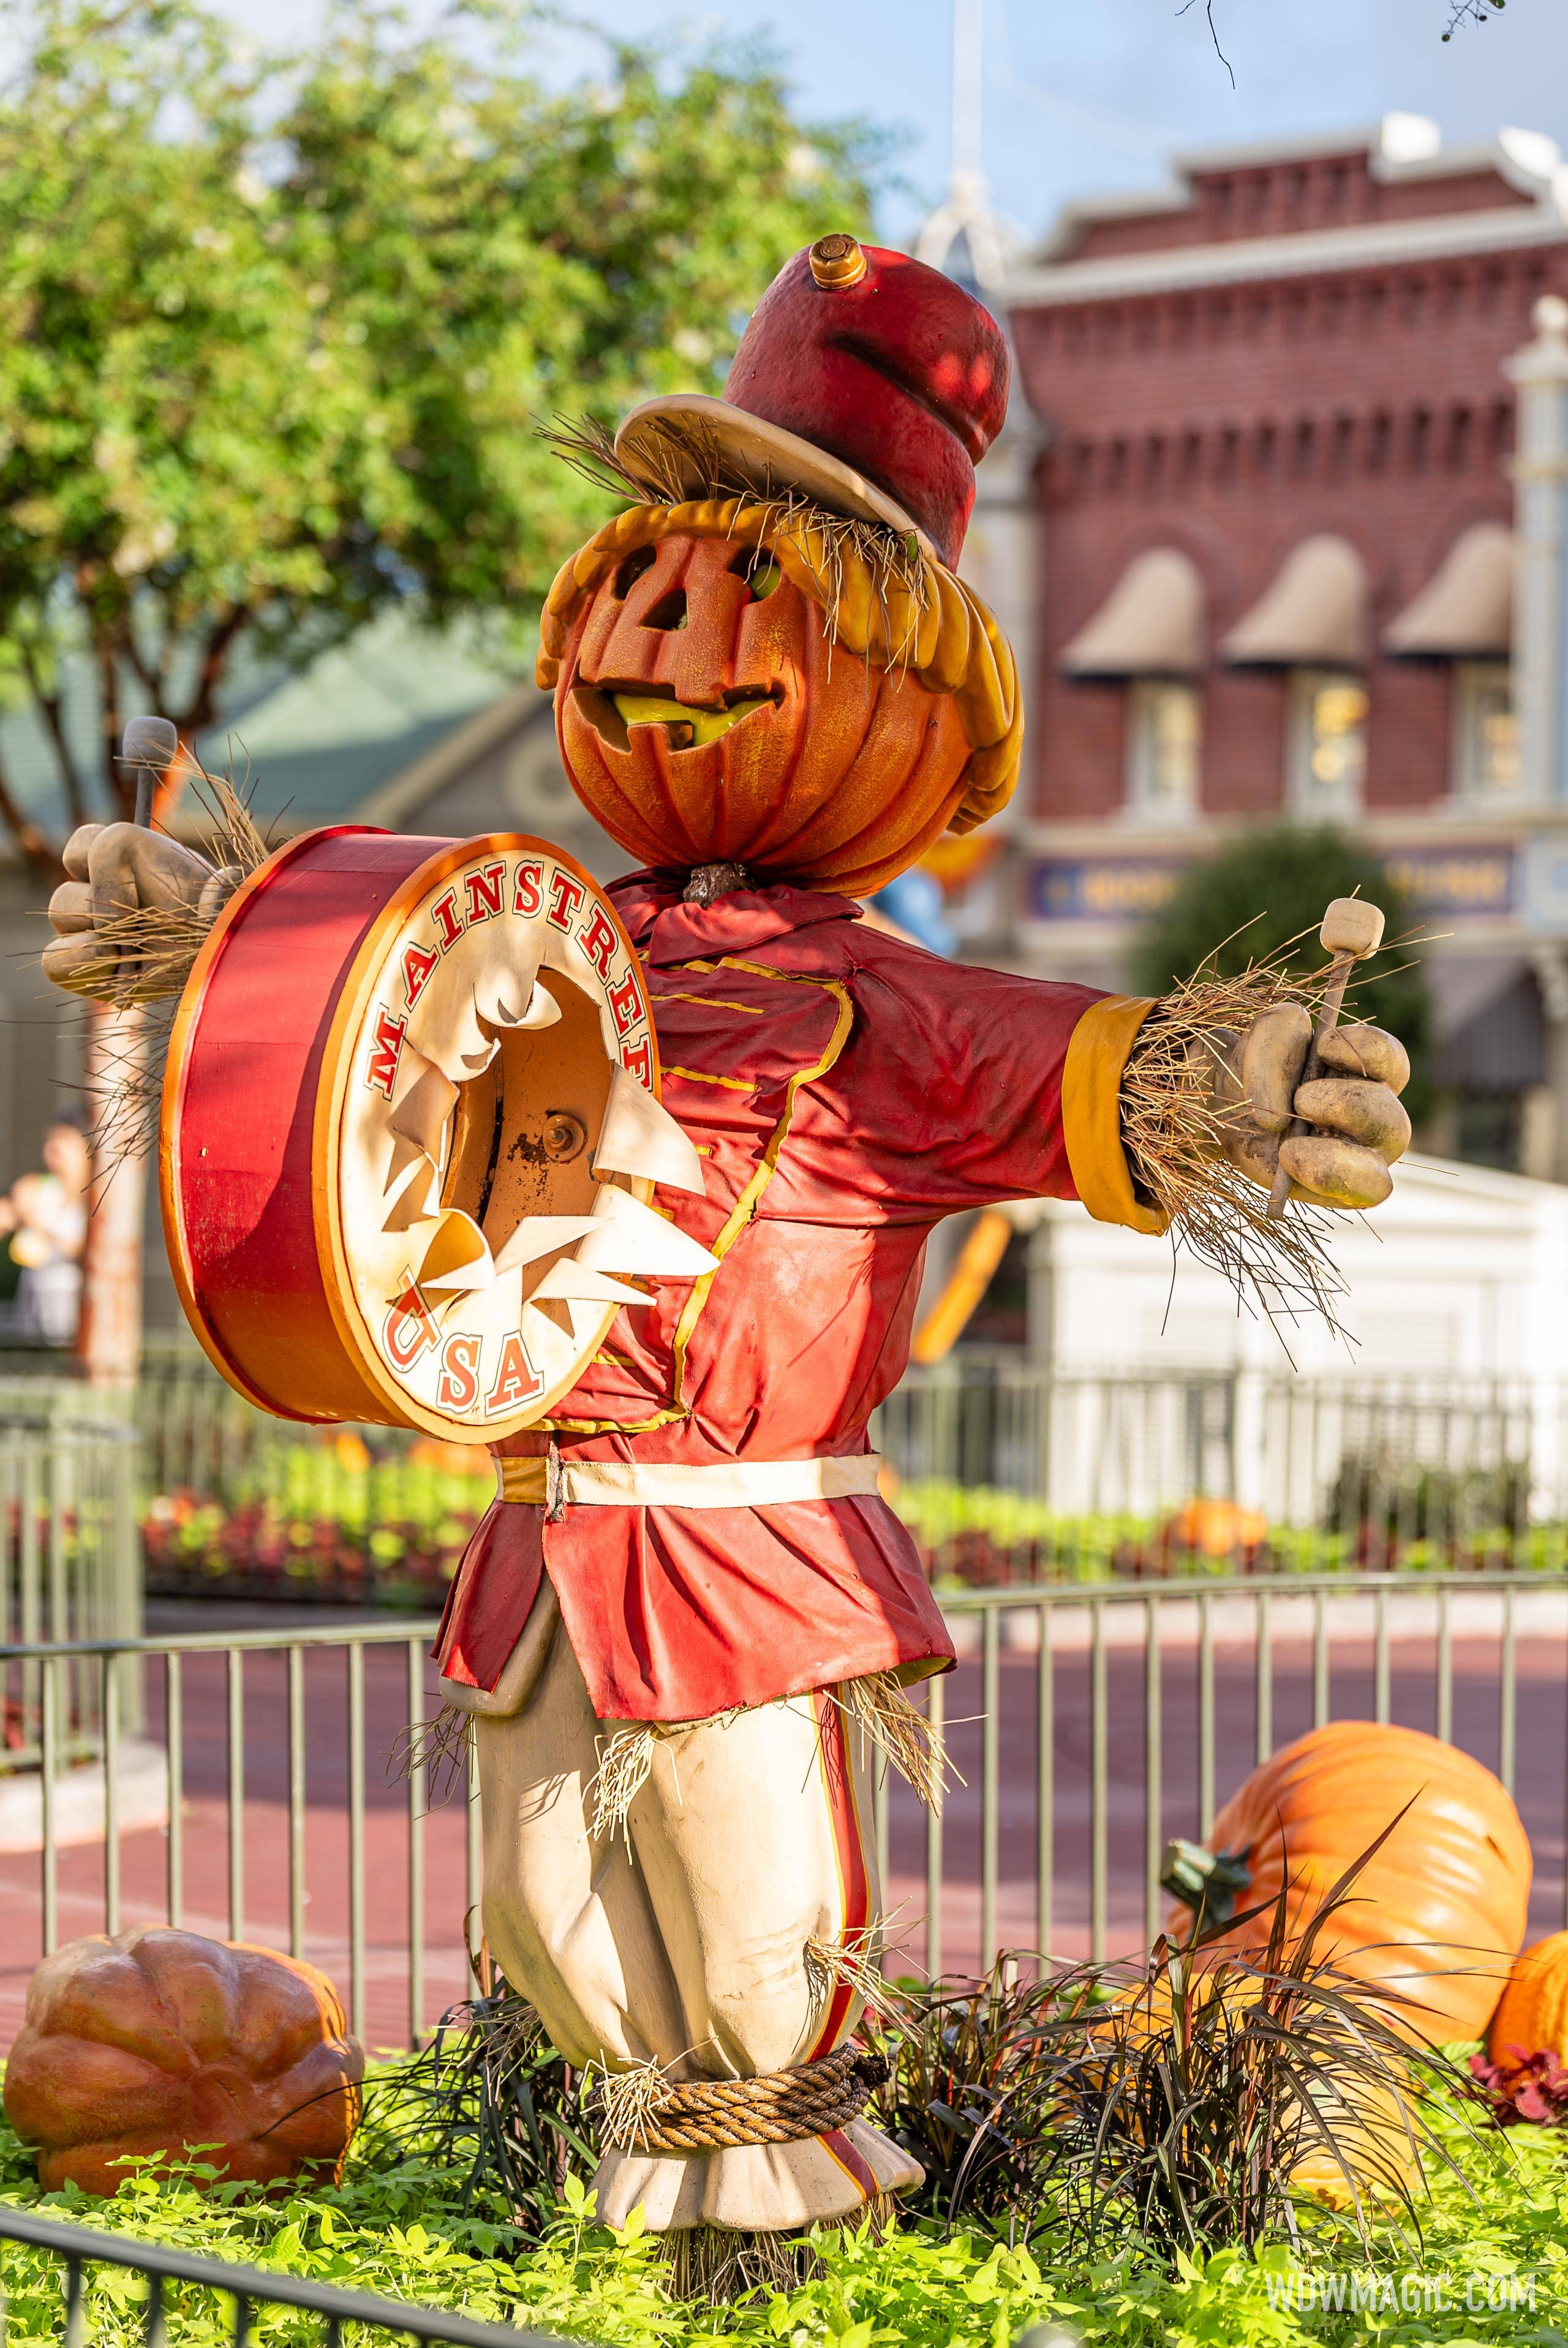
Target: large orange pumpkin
1437,1913
159,2040
730,689
1531,2015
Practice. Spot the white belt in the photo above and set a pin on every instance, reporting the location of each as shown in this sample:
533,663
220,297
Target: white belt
657,1484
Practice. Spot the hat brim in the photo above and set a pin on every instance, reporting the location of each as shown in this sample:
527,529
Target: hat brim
676,438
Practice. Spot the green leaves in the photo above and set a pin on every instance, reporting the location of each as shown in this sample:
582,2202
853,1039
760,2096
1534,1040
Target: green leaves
274,331
1269,887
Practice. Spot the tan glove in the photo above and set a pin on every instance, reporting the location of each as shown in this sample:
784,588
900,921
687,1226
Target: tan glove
1257,1087
115,870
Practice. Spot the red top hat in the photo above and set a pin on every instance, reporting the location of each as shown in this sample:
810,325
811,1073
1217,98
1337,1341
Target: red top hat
869,381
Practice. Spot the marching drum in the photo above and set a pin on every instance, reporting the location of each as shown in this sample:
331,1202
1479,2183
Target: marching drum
410,1127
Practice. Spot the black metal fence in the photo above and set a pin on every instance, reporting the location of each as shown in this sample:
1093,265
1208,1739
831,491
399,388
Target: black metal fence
244,2289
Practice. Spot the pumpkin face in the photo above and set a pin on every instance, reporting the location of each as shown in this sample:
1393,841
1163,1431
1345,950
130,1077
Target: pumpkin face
706,715
1437,1913
158,2040
1531,2015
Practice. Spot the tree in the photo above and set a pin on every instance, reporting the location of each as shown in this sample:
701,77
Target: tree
1268,888
275,333
274,337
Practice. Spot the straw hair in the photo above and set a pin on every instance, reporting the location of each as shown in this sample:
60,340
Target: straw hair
880,1707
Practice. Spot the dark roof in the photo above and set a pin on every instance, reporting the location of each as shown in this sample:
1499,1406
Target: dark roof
315,742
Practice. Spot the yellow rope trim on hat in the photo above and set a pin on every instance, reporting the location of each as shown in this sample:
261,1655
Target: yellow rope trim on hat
903,612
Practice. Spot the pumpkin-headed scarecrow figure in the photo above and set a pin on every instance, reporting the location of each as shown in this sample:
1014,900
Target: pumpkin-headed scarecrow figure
690,1619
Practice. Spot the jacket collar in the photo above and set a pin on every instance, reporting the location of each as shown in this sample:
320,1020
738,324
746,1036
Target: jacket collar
666,931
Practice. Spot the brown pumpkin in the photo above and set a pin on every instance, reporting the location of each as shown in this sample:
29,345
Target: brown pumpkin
159,2040
719,699
1531,2015
1437,1913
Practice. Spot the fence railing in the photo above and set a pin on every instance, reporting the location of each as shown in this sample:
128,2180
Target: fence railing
1086,1726
1069,1472
1009,1470
70,1569
248,2287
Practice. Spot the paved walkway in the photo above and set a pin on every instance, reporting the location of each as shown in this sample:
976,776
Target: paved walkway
1542,1747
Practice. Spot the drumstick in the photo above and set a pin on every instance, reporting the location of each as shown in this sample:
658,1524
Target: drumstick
1352,929
148,747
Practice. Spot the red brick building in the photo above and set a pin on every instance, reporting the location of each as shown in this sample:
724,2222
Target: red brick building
1277,555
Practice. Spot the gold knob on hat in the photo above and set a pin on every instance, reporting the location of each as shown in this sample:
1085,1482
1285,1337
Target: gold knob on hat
837,262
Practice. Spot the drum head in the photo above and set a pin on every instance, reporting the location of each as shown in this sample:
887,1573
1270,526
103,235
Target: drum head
484,1136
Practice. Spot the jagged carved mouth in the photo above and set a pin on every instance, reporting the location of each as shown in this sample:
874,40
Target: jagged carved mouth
612,710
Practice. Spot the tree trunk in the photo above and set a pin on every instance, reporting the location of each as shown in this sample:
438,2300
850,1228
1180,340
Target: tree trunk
109,1338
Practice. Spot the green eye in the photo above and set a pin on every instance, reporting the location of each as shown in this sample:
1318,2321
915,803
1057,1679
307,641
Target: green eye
758,570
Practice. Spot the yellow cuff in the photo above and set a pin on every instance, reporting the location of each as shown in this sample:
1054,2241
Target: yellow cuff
1091,1119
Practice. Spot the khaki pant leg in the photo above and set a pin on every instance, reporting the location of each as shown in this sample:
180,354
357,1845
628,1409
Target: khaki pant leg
568,1918
752,1835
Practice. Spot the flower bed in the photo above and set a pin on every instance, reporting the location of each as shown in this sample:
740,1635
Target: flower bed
327,1518
327,1521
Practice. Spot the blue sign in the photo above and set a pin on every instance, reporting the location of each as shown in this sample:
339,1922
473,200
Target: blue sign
1103,888
1475,879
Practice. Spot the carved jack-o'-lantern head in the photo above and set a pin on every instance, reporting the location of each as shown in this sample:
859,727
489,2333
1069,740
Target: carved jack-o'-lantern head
765,684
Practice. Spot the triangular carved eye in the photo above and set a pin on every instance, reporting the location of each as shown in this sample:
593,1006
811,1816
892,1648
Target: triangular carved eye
669,611
632,570
758,568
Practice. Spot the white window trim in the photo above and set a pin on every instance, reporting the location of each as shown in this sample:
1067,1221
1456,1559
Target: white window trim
1139,805
1464,780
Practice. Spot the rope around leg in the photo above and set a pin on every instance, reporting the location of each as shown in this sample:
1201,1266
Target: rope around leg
644,2112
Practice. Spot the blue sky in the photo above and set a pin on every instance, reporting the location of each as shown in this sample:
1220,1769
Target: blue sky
1087,95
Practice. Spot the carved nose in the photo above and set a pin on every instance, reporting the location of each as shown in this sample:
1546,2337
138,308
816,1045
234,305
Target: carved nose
669,611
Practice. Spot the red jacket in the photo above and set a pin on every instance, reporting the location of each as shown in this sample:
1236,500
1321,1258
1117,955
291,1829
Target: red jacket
845,1090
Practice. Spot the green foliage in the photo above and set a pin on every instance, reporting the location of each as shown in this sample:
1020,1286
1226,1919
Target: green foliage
311,1518
398,2230
276,331
1421,1521
492,2101
1266,889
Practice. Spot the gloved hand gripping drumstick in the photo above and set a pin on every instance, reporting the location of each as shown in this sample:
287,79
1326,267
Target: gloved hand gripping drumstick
1315,1115
1351,930
117,870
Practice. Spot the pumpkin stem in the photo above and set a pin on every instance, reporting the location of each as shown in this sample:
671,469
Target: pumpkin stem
1209,1881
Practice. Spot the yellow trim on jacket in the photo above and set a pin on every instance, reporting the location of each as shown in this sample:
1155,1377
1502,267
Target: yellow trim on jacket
1091,1120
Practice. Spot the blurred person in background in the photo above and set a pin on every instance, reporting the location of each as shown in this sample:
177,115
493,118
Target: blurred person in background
46,1215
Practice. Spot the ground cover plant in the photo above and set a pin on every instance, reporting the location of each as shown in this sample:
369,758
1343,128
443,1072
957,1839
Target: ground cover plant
467,2187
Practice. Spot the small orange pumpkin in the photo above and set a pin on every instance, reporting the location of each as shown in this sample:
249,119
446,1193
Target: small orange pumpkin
1437,1913
1531,2014
1215,1528
730,690
159,2040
